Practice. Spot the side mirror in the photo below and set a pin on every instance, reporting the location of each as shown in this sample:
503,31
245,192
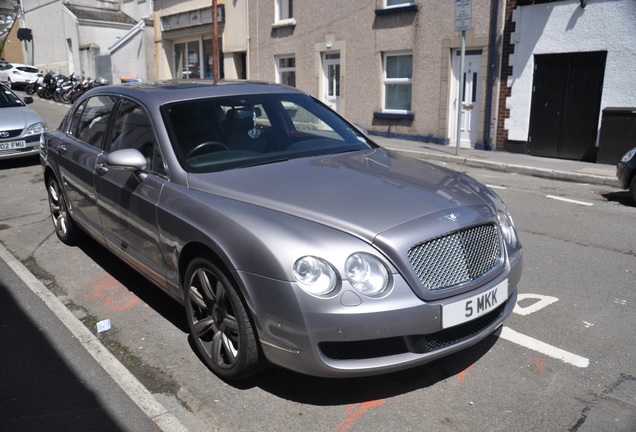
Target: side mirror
126,160
28,100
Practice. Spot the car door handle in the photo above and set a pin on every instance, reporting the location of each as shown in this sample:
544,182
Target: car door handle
61,149
101,169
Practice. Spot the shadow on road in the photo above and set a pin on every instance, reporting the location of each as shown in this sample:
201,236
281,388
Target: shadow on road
622,198
7,164
331,392
38,389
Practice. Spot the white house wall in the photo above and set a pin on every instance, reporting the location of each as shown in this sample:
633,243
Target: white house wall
563,27
50,28
129,60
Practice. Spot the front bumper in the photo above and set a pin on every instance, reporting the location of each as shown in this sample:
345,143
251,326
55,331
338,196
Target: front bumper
32,148
336,337
625,172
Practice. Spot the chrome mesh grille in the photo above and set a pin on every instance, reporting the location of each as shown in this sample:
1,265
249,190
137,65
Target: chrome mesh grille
462,256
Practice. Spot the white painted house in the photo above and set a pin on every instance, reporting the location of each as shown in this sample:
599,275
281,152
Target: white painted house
567,61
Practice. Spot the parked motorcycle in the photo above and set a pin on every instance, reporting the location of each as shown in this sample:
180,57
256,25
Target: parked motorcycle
33,86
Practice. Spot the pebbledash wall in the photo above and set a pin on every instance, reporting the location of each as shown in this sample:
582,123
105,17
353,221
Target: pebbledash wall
565,27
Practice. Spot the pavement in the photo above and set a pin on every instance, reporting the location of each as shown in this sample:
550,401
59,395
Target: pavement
57,376
496,160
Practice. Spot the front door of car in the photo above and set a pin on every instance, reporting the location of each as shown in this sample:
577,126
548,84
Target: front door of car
127,200
77,154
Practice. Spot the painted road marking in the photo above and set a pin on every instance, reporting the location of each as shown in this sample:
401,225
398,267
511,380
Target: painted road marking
542,347
542,301
569,200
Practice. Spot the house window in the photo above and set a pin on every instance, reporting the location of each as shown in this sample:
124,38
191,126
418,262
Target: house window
284,10
398,82
193,59
286,70
397,3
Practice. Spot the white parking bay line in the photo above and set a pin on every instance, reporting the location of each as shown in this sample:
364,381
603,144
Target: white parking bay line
569,200
542,347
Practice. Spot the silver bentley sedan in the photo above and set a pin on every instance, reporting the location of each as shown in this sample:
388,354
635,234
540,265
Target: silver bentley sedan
289,237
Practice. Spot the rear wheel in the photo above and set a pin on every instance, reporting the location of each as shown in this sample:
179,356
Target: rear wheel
632,190
65,228
219,324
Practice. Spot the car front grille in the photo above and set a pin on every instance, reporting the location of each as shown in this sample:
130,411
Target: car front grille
8,134
456,258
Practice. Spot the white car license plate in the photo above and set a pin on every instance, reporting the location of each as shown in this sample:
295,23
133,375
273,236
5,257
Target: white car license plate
12,145
471,308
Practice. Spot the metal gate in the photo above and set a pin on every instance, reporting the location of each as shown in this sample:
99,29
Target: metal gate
566,100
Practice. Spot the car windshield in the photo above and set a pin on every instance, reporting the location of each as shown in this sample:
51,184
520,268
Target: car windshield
29,69
9,99
223,133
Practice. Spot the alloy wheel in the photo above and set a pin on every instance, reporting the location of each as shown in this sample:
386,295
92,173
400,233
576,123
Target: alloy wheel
218,322
64,226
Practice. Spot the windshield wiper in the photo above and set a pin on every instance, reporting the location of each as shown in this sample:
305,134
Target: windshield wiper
265,162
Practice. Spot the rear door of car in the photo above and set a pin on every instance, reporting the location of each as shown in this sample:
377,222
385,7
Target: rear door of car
127,200
76,153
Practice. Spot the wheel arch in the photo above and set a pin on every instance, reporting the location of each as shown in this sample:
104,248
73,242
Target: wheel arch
194,250
197,249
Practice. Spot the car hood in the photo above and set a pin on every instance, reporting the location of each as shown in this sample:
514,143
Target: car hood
364,193
17,117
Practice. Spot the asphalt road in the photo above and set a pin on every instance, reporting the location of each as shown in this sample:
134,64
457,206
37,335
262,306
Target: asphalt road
564,361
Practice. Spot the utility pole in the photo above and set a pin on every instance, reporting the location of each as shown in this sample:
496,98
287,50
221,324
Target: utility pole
215,43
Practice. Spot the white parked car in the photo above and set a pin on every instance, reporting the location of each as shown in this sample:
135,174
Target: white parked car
17,74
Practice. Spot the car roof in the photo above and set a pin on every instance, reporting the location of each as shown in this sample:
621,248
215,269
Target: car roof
175,90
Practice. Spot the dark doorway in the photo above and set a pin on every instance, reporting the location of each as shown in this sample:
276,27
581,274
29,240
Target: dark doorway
566,101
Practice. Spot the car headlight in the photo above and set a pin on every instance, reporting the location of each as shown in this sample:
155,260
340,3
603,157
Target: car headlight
35,128
314,275
366,273
507,228
630,154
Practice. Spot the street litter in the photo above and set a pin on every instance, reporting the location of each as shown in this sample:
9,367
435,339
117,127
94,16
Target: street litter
103,325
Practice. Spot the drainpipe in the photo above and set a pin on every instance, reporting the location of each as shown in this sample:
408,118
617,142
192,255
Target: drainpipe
493,53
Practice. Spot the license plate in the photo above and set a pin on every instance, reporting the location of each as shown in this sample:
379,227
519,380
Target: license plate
473,307
13,145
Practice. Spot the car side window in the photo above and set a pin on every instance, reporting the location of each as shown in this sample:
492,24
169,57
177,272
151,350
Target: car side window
92,124
75,121
132,129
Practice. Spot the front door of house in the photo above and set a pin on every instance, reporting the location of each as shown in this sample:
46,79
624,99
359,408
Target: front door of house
331,80
469,101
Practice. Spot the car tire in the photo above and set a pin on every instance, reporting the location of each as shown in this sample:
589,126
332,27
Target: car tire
632,190
65,228
219,325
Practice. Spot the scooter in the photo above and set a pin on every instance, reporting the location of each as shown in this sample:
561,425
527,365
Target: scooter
33,86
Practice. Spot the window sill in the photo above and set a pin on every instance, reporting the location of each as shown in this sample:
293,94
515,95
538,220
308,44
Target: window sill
291,22
393,116
407,8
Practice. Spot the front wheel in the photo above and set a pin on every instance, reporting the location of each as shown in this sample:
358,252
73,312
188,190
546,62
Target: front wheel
65,228
632,190
219,324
